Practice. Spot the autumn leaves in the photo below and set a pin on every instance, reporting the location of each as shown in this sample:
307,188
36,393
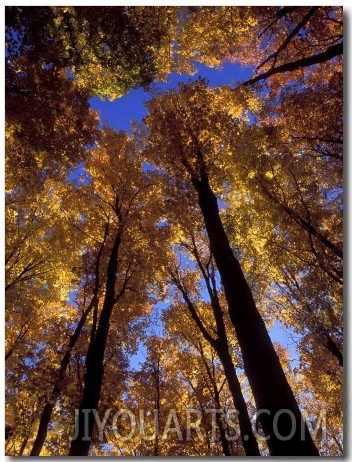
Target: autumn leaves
236,221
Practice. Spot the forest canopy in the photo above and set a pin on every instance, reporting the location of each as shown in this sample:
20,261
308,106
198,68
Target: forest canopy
146,269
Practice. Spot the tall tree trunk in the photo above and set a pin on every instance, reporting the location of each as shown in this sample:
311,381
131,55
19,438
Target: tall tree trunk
23,446
219,421
279,416
95,362
221,347
49,406
224,442
249,441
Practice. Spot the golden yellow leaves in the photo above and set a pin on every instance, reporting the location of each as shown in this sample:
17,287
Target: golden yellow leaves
269,175
197,118
211,35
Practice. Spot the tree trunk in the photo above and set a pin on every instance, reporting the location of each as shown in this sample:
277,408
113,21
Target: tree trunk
49,406
216,396
221,347
157,406
43,425
272,393
333,348
224,441
249,441
23,446
95,363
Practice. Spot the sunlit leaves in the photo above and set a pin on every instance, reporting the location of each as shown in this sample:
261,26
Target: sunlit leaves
273,156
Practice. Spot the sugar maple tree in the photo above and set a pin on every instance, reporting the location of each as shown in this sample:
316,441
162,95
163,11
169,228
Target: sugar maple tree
225,204
117,184
184,148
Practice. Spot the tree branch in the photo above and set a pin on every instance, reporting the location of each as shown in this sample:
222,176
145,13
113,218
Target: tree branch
326,55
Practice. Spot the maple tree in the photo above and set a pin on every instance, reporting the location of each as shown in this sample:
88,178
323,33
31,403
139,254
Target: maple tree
186,145
123,271
224,205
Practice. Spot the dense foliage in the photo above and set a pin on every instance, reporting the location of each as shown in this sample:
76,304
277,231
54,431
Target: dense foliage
185,240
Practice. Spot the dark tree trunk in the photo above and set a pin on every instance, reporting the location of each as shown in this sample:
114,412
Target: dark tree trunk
95,362
224,441
221,347
270,388
216,395
249,441
49,406
23,446
333,348
43,425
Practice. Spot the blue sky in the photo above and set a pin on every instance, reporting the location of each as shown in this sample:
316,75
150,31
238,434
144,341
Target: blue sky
120,112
